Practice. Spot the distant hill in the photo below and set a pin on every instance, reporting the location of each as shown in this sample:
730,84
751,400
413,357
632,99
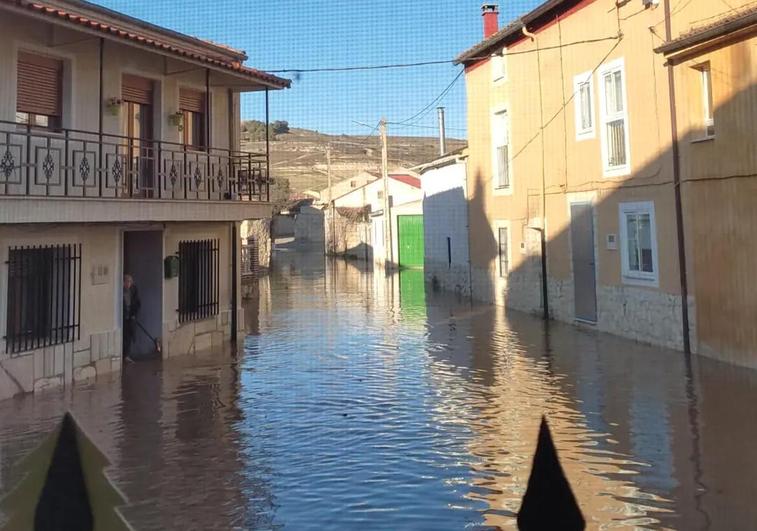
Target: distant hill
300,154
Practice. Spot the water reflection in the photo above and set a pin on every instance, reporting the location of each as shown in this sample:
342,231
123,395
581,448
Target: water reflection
363,400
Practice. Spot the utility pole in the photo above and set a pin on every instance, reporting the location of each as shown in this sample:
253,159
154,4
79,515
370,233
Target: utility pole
442,132
332,244
388,251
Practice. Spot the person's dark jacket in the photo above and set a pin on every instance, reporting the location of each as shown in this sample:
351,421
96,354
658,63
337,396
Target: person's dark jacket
131,310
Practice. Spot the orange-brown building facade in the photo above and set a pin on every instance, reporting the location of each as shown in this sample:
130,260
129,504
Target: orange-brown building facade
574,167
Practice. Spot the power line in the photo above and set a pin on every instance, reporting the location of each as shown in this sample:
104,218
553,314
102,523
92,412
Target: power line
436,100
426,63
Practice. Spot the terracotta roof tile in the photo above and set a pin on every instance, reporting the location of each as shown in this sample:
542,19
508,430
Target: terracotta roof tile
204,56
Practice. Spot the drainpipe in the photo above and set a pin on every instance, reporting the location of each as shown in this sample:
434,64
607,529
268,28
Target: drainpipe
100,114
542,230
234,285
677,191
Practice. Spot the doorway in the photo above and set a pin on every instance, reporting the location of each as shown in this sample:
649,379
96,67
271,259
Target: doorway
137,126
410,241
584,264
143,260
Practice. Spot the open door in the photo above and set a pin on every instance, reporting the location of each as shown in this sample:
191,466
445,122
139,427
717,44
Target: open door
143,260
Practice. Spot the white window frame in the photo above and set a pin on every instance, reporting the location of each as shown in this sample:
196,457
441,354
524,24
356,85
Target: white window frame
499,66
500,128
617,65
708,110
640,278
578,81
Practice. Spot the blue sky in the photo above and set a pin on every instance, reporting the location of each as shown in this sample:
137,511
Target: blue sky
305,34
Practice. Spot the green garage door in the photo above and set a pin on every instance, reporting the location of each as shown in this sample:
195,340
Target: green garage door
410,238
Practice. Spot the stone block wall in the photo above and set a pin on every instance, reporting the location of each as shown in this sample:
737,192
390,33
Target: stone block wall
448,277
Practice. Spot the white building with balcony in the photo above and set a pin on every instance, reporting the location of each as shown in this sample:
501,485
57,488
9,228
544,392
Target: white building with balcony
119,154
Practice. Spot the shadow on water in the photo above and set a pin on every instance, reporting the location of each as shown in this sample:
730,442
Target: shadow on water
364,400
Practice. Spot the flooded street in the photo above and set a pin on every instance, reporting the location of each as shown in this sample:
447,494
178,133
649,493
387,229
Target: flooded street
364,402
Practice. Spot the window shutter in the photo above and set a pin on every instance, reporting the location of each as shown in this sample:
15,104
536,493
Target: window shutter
136,89
192,100
39,84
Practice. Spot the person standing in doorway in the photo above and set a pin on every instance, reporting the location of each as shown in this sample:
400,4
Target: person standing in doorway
130,311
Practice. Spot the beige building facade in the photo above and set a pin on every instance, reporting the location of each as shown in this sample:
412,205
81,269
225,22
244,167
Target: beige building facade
571,173
713,57
118,155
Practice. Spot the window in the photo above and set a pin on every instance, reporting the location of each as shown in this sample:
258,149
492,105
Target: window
39,91
638,242
583,95
615,142
504,252
198,280
44,295
380,194
705,75
192,106
499,66
501,150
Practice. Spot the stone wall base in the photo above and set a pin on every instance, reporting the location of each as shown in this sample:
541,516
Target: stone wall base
196,336
637,313
58,365
454,278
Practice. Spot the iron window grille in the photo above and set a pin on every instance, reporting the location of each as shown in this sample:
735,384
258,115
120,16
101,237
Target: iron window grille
44,296
504,253
198,279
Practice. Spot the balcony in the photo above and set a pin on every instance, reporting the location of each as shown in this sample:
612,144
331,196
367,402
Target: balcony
93,177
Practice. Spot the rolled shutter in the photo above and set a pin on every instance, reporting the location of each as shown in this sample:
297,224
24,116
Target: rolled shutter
192,100
136,89
40,81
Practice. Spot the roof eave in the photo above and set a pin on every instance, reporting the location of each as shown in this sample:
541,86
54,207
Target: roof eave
729,28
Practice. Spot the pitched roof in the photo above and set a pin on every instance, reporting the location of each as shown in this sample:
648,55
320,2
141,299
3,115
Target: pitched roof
410,180
731,22
117,26
512,31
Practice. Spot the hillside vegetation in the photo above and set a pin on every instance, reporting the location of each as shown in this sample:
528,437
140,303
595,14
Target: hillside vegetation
299,155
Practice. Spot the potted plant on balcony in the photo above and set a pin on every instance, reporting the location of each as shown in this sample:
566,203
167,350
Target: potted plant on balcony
176,119
113,106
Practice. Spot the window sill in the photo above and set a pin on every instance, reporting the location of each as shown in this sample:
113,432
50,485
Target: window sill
508,190
585,135
633,280
703,139
612,173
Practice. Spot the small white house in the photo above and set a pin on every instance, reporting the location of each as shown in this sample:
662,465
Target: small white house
405,203
445,217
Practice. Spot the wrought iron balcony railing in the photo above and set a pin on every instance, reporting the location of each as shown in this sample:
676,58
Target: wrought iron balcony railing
39,162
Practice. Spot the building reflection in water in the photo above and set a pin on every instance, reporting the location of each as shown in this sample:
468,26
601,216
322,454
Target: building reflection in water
364,399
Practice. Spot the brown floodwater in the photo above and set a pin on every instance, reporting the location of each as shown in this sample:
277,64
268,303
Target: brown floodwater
365,401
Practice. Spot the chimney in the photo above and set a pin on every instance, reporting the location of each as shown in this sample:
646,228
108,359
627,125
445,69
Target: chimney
490,13
442,133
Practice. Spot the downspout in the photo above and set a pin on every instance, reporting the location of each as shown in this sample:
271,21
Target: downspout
267,146
234,285
543,229
208,118
677,191
100,112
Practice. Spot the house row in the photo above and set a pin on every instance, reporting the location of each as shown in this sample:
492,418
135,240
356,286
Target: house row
376,221
611,172
119,155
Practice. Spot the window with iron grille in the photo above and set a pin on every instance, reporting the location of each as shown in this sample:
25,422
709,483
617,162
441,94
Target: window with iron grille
583,95
198,279
504,252
44,296
615,143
